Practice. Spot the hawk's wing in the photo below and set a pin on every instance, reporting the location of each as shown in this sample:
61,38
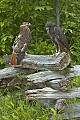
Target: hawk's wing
22,41
60,37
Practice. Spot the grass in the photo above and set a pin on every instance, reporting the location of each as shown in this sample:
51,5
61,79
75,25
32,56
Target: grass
14,106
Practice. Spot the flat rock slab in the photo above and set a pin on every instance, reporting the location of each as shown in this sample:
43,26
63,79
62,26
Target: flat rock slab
44,76
54,79
9,72
71,112
12,71
46,62
49,93
40,76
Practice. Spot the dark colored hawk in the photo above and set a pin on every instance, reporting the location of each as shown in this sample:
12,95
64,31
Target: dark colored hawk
57,36
20,44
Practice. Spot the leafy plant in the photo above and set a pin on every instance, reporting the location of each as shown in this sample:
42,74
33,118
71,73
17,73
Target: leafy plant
76,82
14,106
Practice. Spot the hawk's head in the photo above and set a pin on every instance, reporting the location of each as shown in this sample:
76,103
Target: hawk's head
24,25
49,25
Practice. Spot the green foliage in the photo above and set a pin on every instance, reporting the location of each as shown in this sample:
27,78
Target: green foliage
71,25
76,82
14,106
42,47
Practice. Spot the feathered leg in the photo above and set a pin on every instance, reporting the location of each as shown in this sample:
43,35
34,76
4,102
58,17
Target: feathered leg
20,57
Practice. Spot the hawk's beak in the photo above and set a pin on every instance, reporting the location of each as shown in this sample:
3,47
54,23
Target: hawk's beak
29,24
47,29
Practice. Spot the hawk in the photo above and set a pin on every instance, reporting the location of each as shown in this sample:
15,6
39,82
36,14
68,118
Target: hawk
20,44
57,36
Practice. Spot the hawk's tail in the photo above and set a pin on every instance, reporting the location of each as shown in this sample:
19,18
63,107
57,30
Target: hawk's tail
13,59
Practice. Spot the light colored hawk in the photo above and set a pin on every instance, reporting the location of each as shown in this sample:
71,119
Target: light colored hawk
57,36
20,44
